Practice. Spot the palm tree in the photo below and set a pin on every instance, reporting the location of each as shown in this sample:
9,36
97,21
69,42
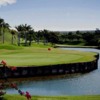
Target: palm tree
30,36
46,36
13,33
39,35
19,29
3,27
26,29
1,23
23,29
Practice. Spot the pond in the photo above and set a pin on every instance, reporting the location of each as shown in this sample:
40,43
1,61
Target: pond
83,84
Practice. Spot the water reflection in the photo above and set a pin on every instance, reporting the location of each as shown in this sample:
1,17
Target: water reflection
74,85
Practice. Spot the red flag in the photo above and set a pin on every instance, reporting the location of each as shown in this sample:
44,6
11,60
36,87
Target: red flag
3,62
49,49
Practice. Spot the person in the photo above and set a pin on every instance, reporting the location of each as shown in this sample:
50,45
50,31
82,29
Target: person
28,95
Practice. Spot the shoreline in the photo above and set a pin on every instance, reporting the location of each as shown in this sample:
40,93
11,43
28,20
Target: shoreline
72,46
43,78
52,70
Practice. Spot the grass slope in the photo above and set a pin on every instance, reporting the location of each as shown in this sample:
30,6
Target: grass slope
27,56
17,97
8,38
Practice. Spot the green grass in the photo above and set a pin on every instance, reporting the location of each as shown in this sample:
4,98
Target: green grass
9,47
39,56
17,97
8,37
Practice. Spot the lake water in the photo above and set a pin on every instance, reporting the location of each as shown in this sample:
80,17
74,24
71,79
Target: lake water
84,84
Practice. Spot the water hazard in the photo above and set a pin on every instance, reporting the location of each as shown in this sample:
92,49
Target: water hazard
84,84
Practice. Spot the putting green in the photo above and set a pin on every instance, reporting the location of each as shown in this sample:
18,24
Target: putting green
30,56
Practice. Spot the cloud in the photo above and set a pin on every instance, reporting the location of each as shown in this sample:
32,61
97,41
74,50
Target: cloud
6,2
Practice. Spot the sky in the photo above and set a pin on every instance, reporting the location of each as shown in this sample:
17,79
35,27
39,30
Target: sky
54,15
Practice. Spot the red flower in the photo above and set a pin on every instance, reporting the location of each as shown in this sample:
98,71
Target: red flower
3,62
13,68
28,95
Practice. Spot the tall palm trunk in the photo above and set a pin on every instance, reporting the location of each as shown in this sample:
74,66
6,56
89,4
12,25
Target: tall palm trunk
25,38
30,41
3,37
0,31
18,39
12,42
38,40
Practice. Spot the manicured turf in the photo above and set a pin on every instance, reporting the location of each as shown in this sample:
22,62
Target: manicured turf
28,56
17,97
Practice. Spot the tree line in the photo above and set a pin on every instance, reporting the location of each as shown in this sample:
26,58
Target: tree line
91,38
28,35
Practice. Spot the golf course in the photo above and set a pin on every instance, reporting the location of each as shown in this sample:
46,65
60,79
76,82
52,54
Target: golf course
49,49
39,56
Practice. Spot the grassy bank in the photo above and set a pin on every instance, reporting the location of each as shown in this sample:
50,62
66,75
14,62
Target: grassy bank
39,56
17,97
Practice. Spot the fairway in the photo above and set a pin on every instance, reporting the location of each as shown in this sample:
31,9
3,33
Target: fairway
32,56
17,97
